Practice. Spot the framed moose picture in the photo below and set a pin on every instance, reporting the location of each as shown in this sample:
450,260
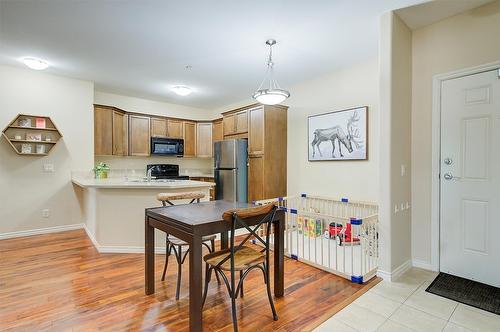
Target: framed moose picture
339,135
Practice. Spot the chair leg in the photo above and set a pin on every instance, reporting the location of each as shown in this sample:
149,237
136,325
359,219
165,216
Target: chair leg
269,295
241,287
233,302
212,244
179,272
167,255
208,276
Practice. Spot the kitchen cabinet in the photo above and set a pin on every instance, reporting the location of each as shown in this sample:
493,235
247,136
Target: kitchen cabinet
103,131
158,127
235,123
241,122
256,131
256,178
175,128
217,130
120,134
229,124
204,140
139,135
189,135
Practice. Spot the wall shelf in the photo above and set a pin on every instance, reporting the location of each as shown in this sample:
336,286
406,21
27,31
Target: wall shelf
23,132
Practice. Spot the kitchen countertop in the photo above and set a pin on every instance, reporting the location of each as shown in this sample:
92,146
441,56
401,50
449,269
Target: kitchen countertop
111,183
197,174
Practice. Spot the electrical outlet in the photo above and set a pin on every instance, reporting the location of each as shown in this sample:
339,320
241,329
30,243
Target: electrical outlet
45,213
48,168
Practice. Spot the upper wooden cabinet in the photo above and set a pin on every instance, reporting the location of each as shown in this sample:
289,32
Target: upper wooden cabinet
256,131
217,130
139,135
174,128
158,127
204,140
120,134
103,131
235,122
189,139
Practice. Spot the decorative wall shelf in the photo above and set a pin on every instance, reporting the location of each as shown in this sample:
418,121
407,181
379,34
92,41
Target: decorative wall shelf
31,135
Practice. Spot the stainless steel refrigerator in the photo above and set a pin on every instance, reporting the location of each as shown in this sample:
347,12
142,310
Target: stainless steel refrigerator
230,170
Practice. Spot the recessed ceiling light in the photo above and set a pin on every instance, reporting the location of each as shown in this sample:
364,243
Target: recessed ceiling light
181,90
35,63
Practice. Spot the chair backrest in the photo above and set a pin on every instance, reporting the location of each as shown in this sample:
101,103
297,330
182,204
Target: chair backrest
265,215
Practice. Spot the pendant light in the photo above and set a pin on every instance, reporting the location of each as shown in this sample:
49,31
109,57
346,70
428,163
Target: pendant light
269,91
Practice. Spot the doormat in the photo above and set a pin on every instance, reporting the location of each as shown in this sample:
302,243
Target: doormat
467,291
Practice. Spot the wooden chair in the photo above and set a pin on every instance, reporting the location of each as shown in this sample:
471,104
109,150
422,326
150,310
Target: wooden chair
174,244
239,257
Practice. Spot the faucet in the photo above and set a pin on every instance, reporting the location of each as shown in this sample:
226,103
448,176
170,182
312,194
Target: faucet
148,174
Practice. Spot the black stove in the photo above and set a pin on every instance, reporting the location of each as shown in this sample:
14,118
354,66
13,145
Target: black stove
166,171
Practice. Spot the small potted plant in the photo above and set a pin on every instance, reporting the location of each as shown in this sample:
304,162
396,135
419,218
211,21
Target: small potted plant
101,171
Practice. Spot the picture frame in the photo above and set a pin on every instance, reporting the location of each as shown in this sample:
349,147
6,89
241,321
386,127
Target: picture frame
338,135
35,137
26,148
25,122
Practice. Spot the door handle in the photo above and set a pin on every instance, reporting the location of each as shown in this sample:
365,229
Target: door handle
449,176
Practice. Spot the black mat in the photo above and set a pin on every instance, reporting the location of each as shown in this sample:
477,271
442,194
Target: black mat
466,291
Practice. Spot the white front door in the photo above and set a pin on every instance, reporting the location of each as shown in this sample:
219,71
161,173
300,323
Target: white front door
470,177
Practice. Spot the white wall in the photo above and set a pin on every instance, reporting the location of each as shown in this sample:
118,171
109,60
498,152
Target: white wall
346,88
24,188
462,41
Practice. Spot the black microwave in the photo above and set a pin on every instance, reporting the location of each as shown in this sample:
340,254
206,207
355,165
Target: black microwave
162,146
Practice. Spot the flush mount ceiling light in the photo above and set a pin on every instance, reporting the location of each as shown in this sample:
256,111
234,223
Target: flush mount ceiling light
269,91
36,64
182,90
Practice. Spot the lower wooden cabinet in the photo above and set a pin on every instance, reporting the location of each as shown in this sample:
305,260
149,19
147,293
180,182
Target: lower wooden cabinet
256,176
139,135
189,139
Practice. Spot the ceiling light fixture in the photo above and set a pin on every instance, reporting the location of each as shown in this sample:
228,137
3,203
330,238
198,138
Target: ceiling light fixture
182,90
36,64
271,94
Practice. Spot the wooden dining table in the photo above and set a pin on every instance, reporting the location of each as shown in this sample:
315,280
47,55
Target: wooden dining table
190,222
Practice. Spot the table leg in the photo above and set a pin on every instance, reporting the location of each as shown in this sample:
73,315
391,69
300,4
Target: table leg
224,240
149,257
279,254
195,284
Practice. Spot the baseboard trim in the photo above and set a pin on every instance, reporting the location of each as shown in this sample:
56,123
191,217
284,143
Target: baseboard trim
396,273
422,264
41,231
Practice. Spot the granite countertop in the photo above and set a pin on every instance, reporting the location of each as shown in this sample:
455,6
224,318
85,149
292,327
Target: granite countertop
88,182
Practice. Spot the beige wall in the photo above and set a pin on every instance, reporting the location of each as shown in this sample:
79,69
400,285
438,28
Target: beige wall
462,41
24,188
395,145
346,88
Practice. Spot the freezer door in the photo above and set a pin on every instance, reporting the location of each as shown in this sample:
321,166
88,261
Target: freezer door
225,154
225,184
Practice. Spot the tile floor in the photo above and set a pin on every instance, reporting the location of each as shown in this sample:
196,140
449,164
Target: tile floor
404,305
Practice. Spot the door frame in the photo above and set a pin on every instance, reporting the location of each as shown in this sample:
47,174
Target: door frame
437,81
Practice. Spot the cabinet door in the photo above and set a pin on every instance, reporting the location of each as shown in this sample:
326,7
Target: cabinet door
158,127
204,140
120,134
174,128
256,178
256,132
139,135
189,139
217,134
241,119
103,131
229,124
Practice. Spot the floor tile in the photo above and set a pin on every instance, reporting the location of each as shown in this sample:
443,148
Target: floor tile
390,326
360,318
450,327
432,304
393,291
377,303
334,325
418,320
475,319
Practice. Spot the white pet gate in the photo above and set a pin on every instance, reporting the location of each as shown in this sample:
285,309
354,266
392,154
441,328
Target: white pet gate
338,236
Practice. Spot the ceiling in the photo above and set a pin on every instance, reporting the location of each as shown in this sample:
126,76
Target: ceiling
141,48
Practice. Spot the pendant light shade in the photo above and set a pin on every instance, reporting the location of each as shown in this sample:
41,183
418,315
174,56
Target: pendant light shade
269,91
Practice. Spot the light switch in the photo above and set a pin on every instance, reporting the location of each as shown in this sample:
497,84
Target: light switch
48,168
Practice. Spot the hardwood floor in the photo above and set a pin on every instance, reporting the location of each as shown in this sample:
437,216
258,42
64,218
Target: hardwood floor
59,282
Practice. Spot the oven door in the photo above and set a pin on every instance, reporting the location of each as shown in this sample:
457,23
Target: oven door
167,147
